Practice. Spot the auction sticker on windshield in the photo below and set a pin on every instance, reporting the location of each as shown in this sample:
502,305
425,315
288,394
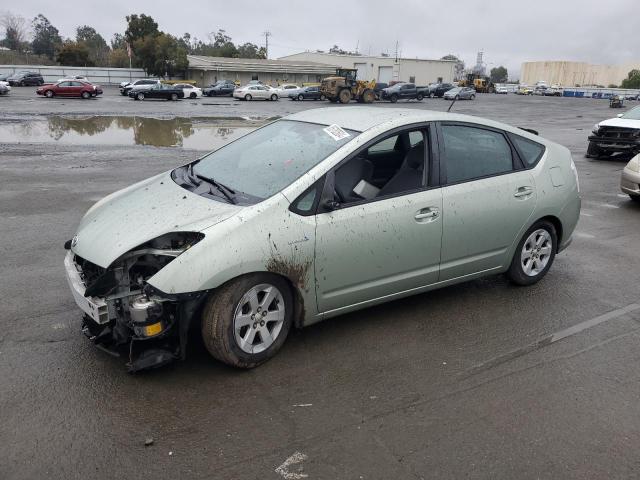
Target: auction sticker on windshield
336,132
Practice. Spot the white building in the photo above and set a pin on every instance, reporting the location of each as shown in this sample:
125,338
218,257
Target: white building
385,69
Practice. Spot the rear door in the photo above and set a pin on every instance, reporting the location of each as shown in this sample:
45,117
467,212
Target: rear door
64,89
76,88
488,198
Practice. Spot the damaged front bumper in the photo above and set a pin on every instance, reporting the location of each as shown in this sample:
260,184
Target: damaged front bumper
147,326
616,143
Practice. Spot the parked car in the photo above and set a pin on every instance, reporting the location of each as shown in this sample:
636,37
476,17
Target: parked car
190,91
630,180
281,228
439,89
81,78
307,93
69,88
4,77
222,87
552,92
287,89
4,88
524,90
619,134
255,91
502,90
142,83
460,93
402,91
22,79
159,90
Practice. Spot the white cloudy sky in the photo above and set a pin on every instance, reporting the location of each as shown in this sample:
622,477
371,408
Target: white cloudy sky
509,32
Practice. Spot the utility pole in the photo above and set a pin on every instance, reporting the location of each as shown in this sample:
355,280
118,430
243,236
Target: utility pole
266,34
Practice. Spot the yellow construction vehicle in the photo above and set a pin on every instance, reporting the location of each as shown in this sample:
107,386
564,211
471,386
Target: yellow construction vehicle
344,87
481,83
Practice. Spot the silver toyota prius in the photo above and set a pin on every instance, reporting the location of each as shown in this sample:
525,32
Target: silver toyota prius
317,214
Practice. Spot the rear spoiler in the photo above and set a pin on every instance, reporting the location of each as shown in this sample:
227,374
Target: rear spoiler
530,130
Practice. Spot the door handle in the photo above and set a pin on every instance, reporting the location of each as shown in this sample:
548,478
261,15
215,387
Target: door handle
429,214
523,192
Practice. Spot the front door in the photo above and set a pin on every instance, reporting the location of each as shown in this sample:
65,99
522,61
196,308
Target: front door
385,239
487,201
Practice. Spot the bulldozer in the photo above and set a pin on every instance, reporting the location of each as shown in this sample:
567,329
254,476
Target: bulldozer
481,83
344,87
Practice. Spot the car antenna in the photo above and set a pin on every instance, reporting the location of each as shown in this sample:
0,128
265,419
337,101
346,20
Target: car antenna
451,105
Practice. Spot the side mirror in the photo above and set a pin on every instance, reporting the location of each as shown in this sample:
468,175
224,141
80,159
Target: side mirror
331,205
327,201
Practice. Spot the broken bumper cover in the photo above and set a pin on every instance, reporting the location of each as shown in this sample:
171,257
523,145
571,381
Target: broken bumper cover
613,144
149,327
630,182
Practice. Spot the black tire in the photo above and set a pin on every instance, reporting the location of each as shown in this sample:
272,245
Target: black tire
516,273
192,95
274,97
432,95
218,322
140,96
635,198
248,97
174,97
49,94
419,97
473,97
85,95
322,98
393,98
22,84
344,95
301,97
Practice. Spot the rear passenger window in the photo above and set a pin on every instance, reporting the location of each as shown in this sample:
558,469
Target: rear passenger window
529,150
474,152
415,137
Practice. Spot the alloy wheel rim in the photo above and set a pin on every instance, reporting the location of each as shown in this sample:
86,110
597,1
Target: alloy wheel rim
536,252
258,318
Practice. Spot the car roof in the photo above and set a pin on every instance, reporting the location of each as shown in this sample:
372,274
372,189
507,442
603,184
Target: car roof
361,118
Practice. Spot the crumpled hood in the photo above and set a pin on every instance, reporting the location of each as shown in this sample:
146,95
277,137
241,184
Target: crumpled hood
142,212
620,122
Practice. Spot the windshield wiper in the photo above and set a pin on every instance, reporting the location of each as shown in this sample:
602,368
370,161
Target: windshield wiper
226,191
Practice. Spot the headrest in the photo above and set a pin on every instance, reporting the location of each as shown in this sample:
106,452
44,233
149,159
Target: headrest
415,156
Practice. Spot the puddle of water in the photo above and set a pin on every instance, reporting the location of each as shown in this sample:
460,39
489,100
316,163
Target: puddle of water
200,134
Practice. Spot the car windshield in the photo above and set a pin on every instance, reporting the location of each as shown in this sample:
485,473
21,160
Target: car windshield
633,114
270,158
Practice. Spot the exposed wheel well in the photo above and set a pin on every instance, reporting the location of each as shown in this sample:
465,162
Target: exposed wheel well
555,221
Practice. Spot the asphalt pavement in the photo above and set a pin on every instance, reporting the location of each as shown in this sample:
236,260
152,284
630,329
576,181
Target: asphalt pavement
480,380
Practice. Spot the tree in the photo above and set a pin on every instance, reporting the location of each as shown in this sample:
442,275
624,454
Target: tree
118,42
222,45
118,58
15,31
161,55
95,44
251,50
74,54
632,80
499,74
338,50
458,68
140,26
46,38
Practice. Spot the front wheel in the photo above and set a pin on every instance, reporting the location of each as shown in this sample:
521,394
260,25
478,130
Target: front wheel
393,98
248,319
174,97
274,97
49,94
322,98
534,255
300,97
247,97
140,96
85,95
193,95
419,97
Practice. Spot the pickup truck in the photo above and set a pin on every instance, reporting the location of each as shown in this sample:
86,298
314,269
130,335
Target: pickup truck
402,91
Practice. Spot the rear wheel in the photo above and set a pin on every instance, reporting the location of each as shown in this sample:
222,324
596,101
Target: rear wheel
300,97
140,96
345,95
534,255
419,97
323,98
193,95
368,96
274,97
85,95
49,94
472,97
174,97
247,320
247,97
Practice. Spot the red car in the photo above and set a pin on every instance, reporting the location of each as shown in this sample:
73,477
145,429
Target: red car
69,88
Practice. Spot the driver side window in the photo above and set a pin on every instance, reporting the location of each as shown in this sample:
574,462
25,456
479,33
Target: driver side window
392,166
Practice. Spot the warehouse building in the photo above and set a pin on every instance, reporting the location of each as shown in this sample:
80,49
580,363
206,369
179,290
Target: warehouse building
571,74
385,69
208,70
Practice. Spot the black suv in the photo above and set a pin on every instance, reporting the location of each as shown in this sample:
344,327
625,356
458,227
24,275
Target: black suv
220,88
25,78
439,89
